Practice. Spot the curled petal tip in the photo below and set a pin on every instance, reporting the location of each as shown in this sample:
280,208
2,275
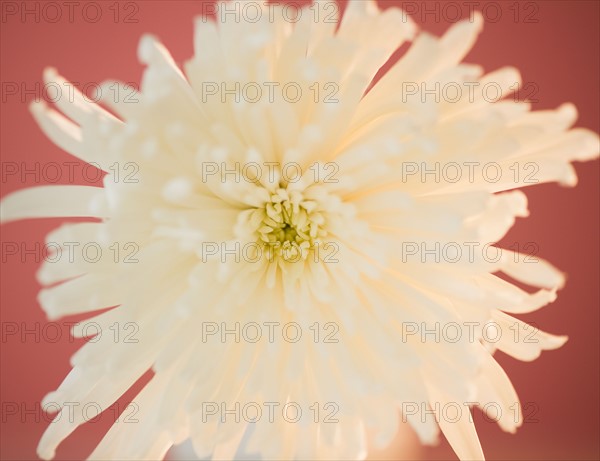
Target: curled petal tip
147,48
477,19
50,74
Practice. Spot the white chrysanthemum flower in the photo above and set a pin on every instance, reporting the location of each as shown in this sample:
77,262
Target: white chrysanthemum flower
178,210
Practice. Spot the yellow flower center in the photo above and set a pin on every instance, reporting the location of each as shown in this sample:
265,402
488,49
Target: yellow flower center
288,226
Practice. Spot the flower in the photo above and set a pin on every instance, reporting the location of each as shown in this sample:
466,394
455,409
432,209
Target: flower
223,233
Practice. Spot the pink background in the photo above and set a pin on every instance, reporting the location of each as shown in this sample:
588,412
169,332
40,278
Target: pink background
559,53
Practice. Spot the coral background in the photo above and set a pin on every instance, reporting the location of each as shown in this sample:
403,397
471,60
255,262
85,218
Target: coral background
559,53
